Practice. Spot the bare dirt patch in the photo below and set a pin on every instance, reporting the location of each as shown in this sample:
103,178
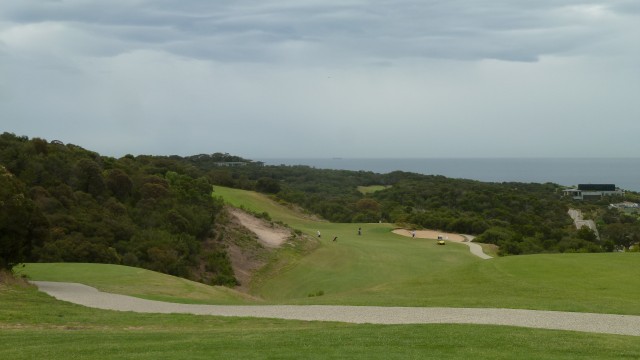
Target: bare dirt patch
251,243
269,234
9,279
245,263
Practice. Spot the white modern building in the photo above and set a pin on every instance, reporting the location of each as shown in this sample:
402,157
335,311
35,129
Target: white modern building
593,191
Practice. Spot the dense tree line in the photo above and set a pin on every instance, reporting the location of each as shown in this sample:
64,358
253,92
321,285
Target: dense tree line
64,203
520,218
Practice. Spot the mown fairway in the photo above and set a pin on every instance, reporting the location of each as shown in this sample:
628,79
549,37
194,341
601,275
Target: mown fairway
381,268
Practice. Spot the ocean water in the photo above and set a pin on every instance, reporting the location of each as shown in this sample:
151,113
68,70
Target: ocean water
624,172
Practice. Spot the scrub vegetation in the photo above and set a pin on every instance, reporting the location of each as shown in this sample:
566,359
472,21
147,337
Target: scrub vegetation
62,203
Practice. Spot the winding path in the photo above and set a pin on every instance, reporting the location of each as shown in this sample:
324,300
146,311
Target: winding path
584,322
475,248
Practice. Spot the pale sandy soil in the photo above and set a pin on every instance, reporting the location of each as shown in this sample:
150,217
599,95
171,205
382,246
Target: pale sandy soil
431,234
247,259
269,235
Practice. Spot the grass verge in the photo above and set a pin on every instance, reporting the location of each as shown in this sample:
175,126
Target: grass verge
34,325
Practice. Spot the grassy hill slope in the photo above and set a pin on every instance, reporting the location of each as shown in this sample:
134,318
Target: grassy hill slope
133,281
381,268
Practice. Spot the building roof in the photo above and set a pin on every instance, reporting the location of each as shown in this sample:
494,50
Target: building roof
597,187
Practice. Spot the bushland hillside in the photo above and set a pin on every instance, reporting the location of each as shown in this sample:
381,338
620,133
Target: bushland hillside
63,203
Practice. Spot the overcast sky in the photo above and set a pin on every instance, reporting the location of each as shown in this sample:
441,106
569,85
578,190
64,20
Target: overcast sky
325,78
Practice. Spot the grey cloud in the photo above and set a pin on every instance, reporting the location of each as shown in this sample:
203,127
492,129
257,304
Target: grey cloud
4,51
627,7
246,30
313,77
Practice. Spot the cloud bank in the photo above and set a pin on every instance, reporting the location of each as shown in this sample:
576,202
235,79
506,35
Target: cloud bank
325,78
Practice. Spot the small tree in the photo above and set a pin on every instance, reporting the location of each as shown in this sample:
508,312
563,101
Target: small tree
119,183
585,233
89,177
267,185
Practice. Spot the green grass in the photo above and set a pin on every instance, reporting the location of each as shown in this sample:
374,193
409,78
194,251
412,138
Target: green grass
401,273
257,202
36,326
381,268
133,281
371,189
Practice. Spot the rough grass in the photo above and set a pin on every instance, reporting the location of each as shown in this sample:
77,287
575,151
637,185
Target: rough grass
259,203
8,279
489,249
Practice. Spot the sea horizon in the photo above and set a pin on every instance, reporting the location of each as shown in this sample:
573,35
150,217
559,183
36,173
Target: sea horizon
624,172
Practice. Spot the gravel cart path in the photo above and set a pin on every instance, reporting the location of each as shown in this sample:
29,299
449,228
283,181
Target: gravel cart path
585,322
475,249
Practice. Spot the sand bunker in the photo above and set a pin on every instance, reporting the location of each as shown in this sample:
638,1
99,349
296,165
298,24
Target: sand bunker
431,234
